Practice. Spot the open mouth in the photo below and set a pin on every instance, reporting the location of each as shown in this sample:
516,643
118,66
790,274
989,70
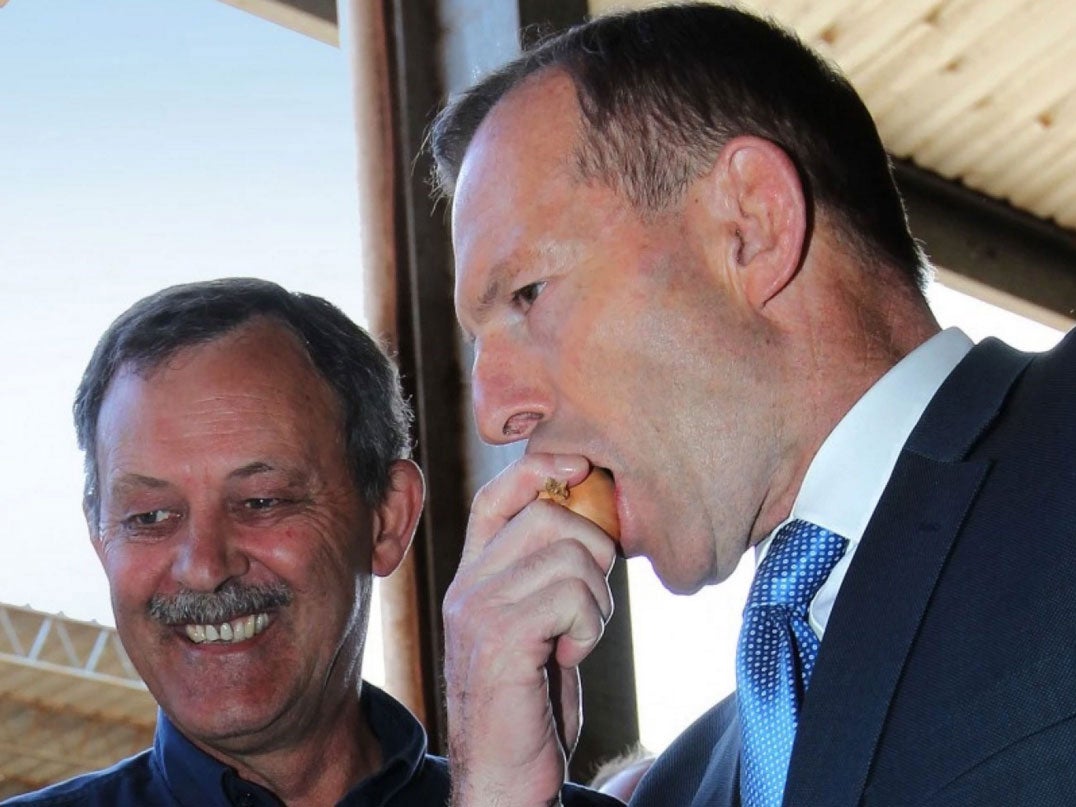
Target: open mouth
231,632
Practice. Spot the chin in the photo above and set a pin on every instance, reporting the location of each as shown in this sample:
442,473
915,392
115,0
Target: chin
237,728
681,588
681,578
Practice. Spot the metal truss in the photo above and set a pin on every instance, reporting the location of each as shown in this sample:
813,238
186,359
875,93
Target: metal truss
70,700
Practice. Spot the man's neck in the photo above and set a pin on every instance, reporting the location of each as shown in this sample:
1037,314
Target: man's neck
847,335
319,767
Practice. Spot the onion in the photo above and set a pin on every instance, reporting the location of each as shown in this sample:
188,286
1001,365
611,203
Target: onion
594,498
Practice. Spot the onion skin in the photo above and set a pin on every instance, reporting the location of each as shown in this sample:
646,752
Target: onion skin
594,498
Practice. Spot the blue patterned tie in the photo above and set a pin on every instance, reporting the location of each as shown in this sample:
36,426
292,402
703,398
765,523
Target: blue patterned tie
776,654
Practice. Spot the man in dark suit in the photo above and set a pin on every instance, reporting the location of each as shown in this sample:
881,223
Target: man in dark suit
681,256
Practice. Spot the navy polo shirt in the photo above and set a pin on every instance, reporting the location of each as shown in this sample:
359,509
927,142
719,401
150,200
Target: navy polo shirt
175,772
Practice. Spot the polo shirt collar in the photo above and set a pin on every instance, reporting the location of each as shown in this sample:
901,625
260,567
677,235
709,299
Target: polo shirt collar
197,779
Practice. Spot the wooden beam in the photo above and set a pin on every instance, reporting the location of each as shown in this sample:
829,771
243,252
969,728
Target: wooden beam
365,29
1010,257
539,18
314,18
428,337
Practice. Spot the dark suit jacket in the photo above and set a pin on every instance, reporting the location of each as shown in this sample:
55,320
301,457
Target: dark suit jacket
947,675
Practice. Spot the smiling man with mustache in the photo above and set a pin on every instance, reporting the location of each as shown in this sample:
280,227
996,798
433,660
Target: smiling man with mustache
247,475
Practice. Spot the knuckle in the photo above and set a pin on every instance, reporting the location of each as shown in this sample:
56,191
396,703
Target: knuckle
576,553
578,590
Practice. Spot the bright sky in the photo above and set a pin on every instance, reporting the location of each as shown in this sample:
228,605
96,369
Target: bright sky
144,144
150,143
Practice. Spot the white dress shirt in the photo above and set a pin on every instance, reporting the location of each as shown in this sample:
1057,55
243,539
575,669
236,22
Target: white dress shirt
851,469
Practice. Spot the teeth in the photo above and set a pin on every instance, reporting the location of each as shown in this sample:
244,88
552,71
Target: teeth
228,632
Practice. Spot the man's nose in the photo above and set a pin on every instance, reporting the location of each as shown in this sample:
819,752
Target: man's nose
510,395
208,555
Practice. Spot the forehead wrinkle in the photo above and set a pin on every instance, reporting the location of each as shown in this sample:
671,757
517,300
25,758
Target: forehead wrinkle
223,416
226,409
293,475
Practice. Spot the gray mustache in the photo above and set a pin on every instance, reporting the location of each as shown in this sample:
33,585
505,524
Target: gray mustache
225,604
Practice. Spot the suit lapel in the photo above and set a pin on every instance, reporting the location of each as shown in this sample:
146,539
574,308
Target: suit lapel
877,615
885,594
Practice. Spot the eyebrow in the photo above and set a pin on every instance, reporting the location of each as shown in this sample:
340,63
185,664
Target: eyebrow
129,481
251,469
132,481
294,475
501,276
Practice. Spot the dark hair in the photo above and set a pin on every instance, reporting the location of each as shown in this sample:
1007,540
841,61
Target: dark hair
377,420
663,89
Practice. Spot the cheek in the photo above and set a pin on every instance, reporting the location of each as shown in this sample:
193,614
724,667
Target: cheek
315,557
605,348
579,332
134,572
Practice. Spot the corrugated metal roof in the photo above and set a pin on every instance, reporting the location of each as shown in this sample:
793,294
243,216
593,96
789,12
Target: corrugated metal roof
978,91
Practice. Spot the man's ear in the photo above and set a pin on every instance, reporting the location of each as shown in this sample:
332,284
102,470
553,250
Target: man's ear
397,516
766,212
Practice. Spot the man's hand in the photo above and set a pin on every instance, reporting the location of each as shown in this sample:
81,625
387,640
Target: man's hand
528,604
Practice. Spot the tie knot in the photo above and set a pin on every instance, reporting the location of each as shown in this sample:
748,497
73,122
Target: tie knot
800,559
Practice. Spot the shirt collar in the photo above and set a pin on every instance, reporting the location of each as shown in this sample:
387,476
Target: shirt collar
403,748
850,471
196,779
847,476
192,776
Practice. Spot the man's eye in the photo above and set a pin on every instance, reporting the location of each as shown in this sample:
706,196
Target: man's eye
525,296
261,503
151,518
